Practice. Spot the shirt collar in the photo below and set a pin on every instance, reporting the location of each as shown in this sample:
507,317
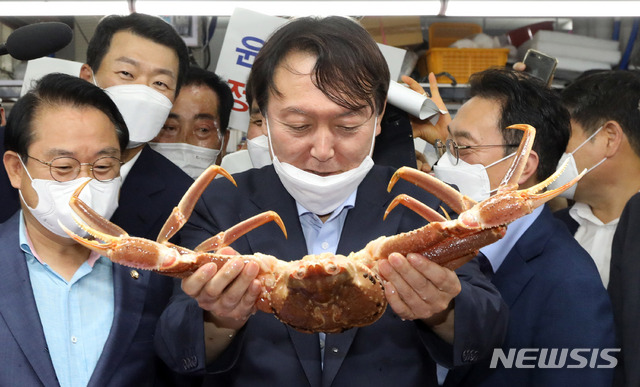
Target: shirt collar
582,213
498,251
27,246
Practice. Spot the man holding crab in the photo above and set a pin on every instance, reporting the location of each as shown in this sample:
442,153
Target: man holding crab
321,85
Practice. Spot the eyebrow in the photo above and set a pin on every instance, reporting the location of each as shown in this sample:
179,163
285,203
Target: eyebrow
57,152
460,134
297,110
133,62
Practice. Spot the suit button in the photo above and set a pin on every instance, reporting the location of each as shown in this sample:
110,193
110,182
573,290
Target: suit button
189,362
470,355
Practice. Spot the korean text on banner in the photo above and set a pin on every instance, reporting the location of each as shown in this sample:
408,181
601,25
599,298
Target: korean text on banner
245,36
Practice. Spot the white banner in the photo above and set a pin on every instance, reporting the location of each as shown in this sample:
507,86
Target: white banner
245,36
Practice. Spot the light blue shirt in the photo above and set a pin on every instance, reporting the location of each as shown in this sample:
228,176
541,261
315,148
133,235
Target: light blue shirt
496,254
76,315
324,237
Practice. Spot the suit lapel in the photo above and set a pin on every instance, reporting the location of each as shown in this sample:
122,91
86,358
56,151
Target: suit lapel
18,306
129,295
514,273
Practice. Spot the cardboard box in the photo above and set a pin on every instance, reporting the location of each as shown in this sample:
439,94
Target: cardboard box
398,31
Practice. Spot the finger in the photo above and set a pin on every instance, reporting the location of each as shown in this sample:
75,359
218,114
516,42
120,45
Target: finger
443,279
519,66
435,92
240,277
193,285
397,304
227,251
413,286
413,84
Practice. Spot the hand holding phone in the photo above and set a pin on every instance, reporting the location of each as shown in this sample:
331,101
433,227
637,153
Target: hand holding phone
540,65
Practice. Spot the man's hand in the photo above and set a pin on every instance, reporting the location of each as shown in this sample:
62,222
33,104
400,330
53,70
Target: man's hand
228,294
424,128
419,289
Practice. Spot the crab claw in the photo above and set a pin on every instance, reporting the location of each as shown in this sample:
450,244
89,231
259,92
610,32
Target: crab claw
128,251
183,210
225,238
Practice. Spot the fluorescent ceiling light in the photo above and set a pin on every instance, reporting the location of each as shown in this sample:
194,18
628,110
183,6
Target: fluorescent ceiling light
457,8
222,8
543,8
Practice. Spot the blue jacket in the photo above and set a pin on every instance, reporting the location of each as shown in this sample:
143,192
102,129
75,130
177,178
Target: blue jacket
556,300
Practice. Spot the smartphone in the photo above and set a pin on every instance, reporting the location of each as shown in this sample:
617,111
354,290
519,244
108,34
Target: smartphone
540,65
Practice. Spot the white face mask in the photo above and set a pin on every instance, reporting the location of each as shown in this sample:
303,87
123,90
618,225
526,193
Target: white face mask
258,148
144,110
321,194
472,179
192,159
571,171
54,196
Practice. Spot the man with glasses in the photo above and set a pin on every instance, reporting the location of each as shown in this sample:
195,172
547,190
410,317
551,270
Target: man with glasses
68,316
552,287
195,134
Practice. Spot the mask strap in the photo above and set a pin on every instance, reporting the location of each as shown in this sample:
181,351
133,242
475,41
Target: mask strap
587,140
266,121
373,137
594,167
25,167
499,161
93,76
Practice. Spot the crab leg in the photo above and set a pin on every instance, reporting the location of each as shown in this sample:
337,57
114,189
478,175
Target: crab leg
510,179
225,238
445,192
92,218
183,210
418,207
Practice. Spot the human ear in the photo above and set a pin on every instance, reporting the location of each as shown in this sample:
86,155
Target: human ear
13,166
530,168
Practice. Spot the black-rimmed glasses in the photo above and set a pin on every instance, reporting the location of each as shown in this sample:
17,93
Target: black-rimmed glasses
64,169
454,149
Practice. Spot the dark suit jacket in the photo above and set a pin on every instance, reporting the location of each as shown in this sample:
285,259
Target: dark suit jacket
624,289
267,352
128,358
153,187
566,218
10,203
556,300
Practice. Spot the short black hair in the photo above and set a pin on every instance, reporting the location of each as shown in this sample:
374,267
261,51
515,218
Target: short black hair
146,26
608,95
58,90
527,100
350,69
197,76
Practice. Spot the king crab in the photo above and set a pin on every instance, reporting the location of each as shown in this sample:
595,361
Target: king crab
330,293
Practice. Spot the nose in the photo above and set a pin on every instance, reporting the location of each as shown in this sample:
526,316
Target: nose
85,171
322,147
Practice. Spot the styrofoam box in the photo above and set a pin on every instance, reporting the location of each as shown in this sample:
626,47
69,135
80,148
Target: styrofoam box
560,44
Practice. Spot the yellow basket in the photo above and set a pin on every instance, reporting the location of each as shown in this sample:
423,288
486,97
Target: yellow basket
461,62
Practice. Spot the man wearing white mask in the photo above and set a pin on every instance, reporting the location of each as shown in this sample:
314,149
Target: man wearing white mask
141,62
321,85
68,316
195,134
257,154
552,287
605,140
